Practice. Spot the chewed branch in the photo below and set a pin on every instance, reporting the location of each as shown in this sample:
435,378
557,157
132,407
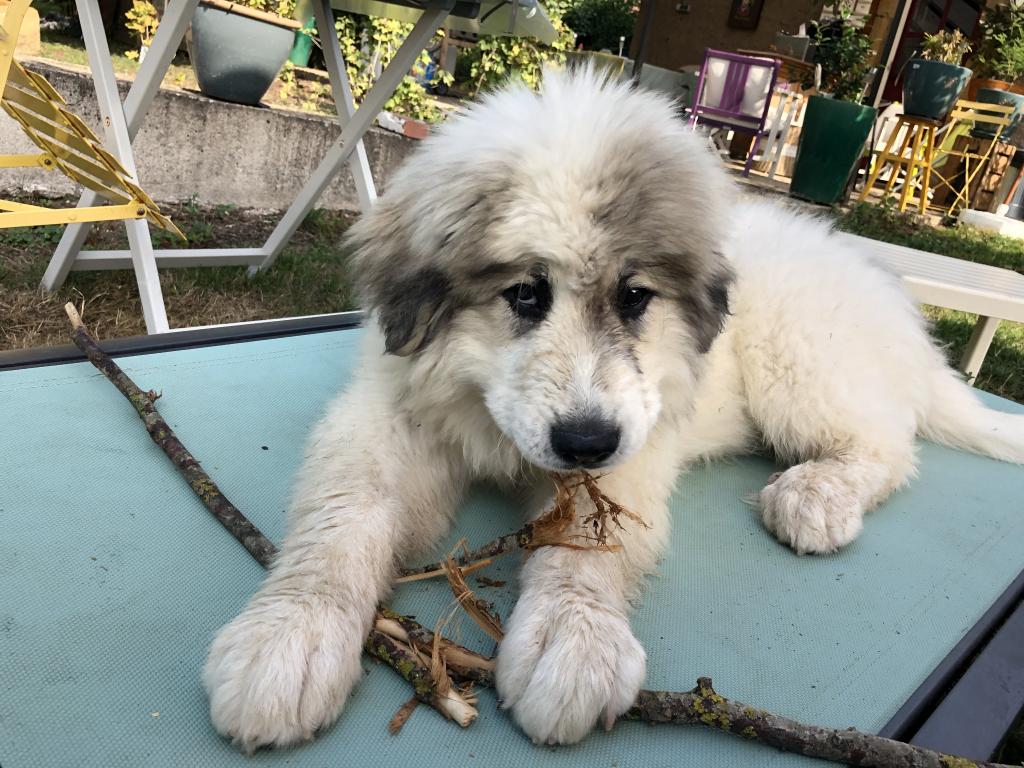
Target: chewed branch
553,528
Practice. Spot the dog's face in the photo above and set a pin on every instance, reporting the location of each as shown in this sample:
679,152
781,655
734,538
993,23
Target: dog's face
559,254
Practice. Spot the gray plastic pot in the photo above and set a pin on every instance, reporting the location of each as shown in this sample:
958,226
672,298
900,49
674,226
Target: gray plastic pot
237,52
1007,98
931,88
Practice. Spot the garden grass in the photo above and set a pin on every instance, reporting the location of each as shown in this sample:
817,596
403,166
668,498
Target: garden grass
311,278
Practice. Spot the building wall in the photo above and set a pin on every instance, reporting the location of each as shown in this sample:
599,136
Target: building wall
679,39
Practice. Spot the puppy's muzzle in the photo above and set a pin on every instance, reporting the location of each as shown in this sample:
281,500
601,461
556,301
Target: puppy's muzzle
585,443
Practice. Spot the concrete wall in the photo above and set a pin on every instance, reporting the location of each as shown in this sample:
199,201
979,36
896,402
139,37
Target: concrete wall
679,39
191,146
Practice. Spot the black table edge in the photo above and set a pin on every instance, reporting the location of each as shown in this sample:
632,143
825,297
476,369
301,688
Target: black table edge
184,339
919,713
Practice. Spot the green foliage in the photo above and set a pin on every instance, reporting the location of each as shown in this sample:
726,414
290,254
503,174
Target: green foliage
599,24
948,47
844,53
142,19
368,44
1000,54
497,60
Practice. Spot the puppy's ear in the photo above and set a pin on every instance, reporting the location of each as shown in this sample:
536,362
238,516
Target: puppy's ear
712,306
400,283
412,309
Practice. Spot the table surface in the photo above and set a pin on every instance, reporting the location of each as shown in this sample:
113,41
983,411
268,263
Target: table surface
113,579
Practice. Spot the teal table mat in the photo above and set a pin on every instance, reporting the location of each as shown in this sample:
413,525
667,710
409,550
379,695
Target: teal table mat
113,580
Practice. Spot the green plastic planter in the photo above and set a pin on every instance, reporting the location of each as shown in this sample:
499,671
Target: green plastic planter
931,88
237,55
302,48
831,143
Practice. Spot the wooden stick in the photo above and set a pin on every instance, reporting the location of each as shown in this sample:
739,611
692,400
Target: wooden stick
237,524
704,706
248,535
421,575
405,662
399,640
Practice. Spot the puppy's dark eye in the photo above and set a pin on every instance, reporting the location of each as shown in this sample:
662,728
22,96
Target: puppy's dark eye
633,301
529,300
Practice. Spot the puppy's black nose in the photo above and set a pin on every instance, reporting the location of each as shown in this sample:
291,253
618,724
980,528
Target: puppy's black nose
584,443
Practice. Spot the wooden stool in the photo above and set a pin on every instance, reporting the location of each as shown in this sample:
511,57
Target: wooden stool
917,148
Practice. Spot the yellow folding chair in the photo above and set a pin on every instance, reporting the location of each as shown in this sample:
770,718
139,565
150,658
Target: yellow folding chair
67,145
974,160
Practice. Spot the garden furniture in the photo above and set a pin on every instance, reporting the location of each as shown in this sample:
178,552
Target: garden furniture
992,293
66,145
734,92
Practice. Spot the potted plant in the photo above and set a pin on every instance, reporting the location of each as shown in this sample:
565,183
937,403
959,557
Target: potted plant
836,124
999,59
934,81
237,50
142,19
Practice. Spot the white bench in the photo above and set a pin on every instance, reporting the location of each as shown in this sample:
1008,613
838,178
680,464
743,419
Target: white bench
992,293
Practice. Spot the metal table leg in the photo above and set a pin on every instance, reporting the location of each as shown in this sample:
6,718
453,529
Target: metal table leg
147,83
343,101
977,347
353,132
115,129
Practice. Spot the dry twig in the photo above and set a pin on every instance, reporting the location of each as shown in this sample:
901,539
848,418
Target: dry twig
404,644
551,529
445,698
257,545
479,610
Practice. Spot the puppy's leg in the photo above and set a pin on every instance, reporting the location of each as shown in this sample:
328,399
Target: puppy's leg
372,487
819,505
849,453
569,657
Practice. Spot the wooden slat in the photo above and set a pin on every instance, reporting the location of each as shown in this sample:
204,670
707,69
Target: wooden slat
56,132
45,216
33,103
75,149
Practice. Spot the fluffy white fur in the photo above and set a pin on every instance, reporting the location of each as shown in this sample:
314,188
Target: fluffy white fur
823,358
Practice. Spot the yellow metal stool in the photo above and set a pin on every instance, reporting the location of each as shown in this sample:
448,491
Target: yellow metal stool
916,139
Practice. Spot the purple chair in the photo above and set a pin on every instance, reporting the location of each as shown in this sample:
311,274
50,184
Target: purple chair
735,91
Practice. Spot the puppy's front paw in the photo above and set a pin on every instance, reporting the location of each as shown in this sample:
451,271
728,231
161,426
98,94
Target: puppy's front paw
280,671
566,662
811,510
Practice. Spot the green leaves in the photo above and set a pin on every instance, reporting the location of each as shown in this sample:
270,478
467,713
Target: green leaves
368,44
496,60
945,46
844,53
1001,52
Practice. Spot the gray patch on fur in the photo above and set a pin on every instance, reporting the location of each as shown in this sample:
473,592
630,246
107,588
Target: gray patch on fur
411,311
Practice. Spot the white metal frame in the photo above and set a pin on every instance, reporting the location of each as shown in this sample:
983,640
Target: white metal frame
992,293
121,123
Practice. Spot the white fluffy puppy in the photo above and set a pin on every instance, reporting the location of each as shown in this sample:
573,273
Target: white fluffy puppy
566,280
